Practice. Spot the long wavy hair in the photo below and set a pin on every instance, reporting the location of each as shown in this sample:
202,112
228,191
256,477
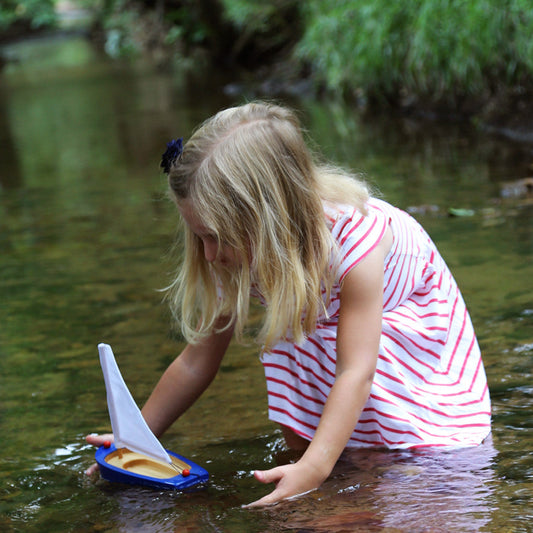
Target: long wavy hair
258,189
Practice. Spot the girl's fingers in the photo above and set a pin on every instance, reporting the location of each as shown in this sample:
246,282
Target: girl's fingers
274,497
267,476
98,440
269,499
91,470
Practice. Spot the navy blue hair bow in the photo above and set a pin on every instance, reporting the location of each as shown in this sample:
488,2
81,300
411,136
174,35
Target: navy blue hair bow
174,150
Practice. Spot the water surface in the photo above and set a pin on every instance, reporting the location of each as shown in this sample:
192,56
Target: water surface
85,245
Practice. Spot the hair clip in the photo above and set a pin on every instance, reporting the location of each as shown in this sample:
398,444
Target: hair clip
173,152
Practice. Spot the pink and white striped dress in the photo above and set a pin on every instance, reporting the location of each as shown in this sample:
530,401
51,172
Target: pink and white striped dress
430,387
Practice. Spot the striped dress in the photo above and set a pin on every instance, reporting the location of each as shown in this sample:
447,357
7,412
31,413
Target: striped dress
430,387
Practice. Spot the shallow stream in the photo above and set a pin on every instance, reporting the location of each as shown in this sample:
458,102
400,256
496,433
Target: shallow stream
85,245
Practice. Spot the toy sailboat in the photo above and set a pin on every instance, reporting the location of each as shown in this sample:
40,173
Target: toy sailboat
137,456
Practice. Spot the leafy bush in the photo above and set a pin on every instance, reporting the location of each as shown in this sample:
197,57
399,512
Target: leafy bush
34,13
425,47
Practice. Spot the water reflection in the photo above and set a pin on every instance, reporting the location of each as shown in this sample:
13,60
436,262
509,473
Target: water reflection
433,491
137,509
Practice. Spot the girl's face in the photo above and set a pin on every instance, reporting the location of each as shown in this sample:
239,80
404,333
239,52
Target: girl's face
213,250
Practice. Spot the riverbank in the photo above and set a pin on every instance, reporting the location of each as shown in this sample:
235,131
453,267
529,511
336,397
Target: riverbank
503,109
507,113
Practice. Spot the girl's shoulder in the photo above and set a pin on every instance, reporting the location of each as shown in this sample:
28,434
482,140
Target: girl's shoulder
339,216
355,233
336,214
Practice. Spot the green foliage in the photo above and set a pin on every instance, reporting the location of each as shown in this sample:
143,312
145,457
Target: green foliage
434,50
425,47
251,16
36,13
119,26
187,23
265,31
467,44
128,27
353,42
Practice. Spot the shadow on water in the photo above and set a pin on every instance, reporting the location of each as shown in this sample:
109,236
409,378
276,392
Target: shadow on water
10,174
85,238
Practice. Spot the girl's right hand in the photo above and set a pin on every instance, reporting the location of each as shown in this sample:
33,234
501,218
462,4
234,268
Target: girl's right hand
97,440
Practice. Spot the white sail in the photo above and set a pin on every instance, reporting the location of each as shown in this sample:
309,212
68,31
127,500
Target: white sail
129,427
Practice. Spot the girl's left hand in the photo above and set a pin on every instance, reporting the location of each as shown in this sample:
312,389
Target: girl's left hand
97,440
291,480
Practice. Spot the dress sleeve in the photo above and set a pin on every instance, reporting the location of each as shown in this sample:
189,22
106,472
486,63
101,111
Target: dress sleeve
357,235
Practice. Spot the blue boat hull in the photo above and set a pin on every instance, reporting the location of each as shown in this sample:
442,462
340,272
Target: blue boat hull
194,475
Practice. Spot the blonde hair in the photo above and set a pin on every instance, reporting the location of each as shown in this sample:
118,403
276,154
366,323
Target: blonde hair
251,178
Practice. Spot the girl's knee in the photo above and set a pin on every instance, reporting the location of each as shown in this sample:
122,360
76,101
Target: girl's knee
293,440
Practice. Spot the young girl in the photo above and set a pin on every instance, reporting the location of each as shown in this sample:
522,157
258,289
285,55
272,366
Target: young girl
366,338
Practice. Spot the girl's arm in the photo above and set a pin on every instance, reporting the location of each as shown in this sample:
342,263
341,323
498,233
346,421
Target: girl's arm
185,380
358,336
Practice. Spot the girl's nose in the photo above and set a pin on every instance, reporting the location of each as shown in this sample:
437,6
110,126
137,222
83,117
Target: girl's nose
210,249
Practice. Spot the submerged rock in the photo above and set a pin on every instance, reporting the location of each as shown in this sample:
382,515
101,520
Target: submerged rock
522,188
